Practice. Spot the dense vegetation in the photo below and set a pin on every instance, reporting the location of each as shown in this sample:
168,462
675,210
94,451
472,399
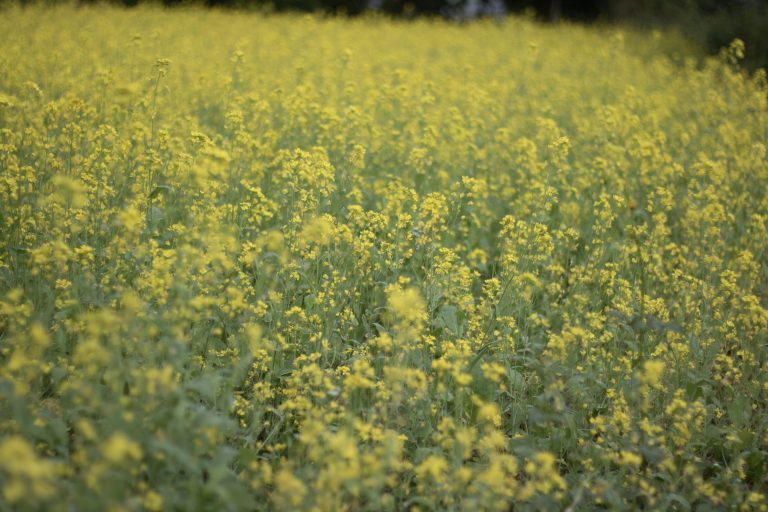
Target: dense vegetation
287,262
708,24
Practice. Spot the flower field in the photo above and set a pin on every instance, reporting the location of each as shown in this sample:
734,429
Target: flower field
284,262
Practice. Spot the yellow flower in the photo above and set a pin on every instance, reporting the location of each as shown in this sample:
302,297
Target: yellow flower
629,458
433,467
652,373
289,490
120,448
544,474
153,501
407,305
29,478
318,230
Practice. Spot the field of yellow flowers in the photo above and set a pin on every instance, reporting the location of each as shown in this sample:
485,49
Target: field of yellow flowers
282,262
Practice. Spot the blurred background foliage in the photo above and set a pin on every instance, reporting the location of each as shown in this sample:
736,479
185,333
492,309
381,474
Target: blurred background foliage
709,24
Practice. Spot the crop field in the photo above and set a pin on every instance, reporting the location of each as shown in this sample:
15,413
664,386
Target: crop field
252,261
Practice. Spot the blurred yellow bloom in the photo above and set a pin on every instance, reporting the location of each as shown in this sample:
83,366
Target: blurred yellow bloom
119,448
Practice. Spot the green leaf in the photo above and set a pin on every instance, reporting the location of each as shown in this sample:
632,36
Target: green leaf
158,190
447,318
740,410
